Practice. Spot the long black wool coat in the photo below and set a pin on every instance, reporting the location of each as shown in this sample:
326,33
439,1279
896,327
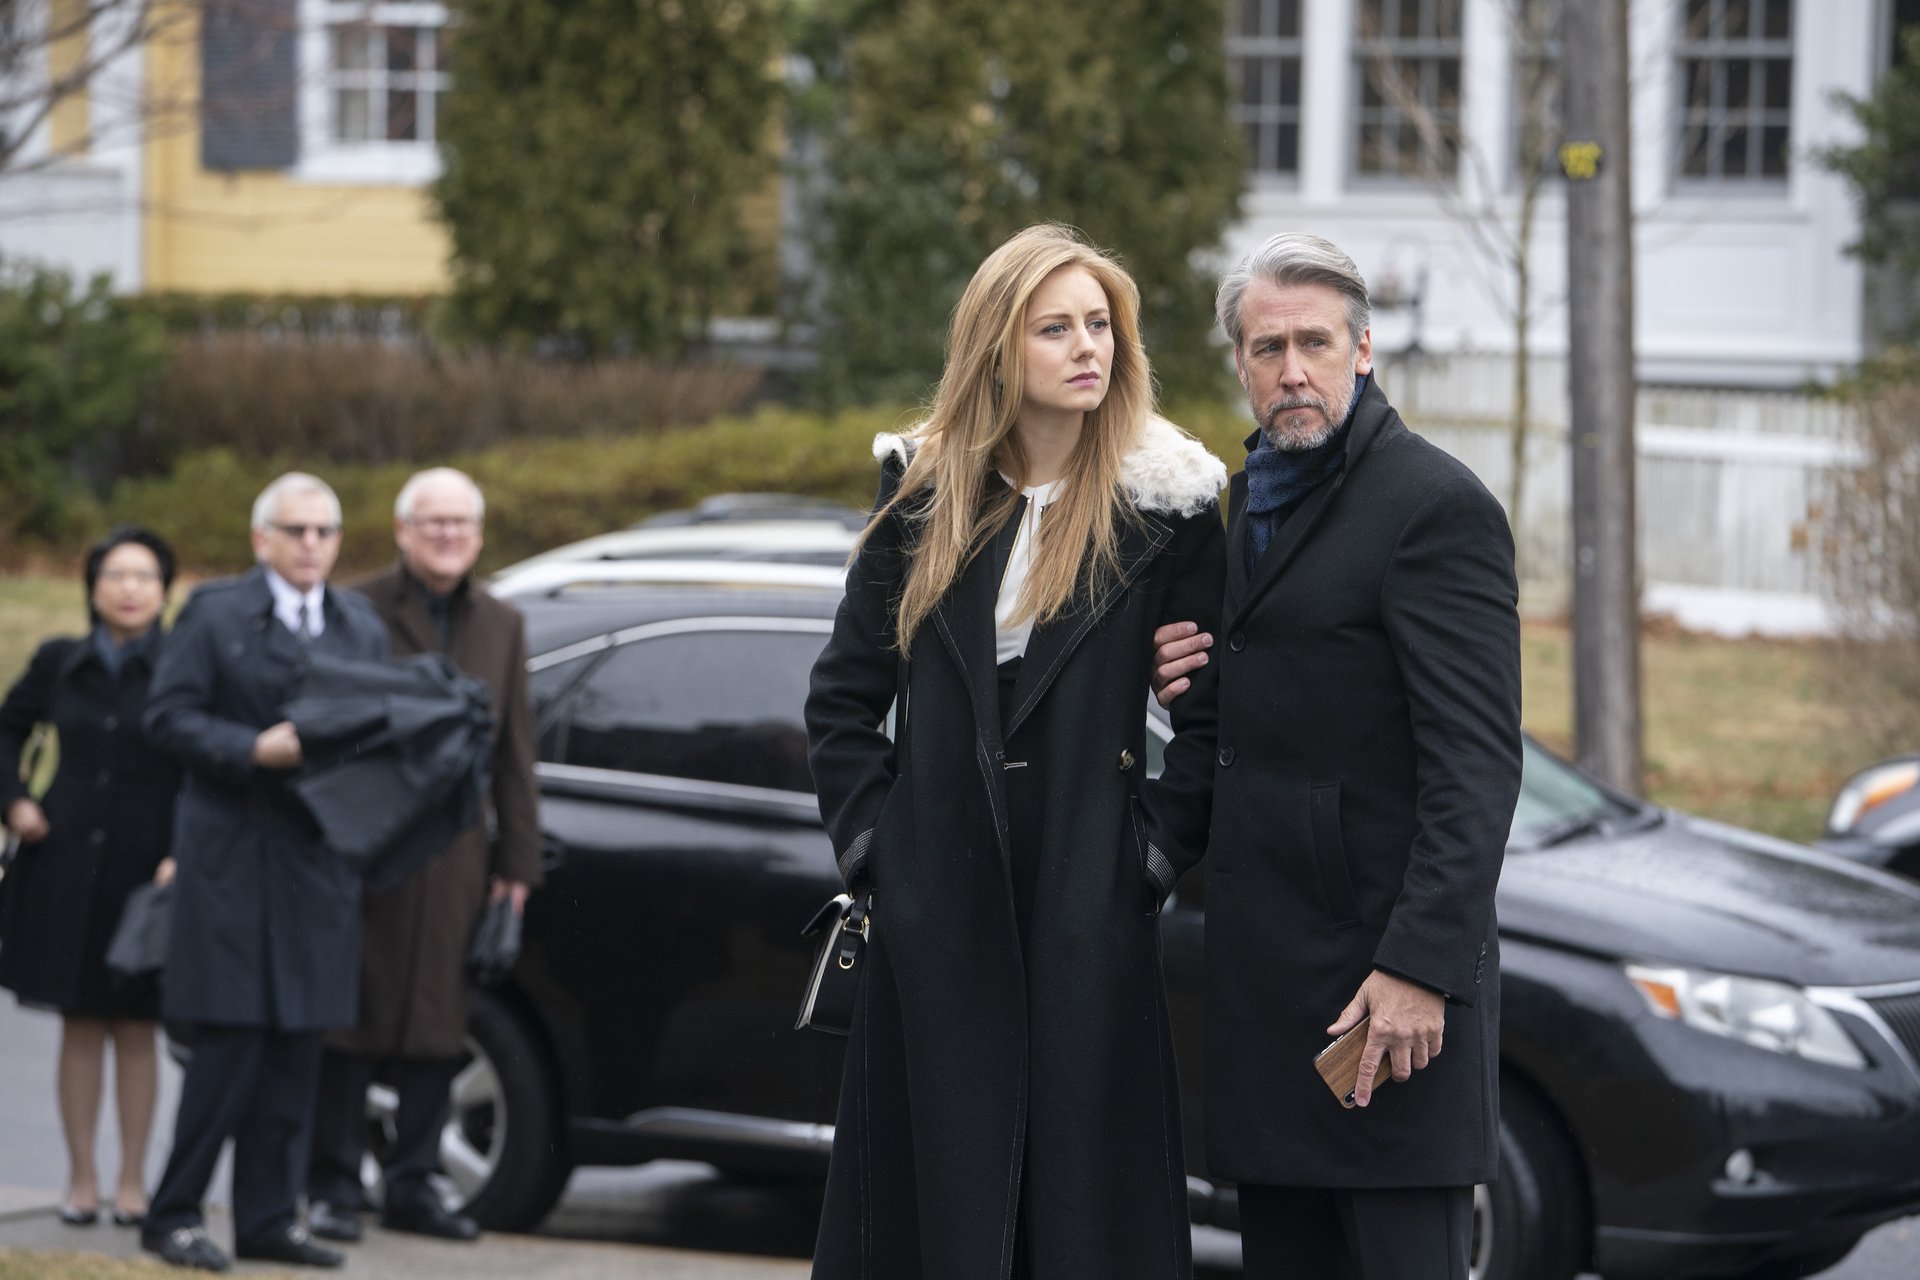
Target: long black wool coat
1368,764
976,1074
110,814
266,928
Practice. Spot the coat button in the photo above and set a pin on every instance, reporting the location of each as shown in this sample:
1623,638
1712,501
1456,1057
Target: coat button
1226,756
1126,759
97,839
103,779
110,723
1237,641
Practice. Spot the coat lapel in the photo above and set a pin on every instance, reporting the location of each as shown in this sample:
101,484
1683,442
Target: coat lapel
1051,645
1236,541
1369,417
964,622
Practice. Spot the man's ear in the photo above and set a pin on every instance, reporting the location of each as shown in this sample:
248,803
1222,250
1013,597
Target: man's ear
1239,369
1363,354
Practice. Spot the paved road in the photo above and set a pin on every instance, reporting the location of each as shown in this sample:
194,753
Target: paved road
667,1206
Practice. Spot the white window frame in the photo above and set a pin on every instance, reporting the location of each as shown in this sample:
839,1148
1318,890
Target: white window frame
1755,116
323,157
1418,49
1244,50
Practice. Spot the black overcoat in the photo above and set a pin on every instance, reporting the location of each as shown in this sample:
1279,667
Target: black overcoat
976,1074
1368,763
266,929
110,819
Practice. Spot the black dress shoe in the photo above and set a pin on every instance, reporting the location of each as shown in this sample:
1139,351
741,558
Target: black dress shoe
186,1247
332,1222
294,1247
424,1215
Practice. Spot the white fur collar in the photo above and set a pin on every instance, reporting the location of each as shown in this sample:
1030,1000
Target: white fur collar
1167,470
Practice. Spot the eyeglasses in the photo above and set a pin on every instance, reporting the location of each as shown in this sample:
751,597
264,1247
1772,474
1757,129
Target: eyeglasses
140,577
299,532
444,524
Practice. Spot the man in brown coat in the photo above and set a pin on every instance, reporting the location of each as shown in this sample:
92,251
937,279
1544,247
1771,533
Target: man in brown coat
414,938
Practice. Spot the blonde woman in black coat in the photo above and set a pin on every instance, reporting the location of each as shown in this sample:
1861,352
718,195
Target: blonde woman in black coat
1009,1105
103,828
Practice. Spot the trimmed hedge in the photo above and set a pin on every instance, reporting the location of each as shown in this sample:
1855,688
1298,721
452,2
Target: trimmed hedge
543,493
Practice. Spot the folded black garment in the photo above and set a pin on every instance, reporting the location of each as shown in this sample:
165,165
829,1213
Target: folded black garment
495,946
397,758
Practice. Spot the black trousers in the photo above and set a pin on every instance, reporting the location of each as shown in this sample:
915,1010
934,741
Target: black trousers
256,1086
340,1126
1307,1233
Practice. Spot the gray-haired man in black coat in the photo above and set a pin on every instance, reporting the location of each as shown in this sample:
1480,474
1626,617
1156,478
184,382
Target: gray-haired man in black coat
1369,760
265,946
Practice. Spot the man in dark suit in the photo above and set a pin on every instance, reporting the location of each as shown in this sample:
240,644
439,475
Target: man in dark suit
266,925
414,937
1369,760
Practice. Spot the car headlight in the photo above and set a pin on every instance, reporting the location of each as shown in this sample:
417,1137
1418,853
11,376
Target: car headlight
1868,790
1770,1015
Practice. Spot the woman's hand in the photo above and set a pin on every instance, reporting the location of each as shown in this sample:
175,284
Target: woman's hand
163,874
1179,647
28,820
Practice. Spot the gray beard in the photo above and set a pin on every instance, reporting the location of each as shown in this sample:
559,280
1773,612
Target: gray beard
1296,441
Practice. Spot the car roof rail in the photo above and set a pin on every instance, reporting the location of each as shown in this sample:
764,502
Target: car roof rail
552,580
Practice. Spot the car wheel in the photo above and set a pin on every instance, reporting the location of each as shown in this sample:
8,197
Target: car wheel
502,1158
1530,1224
1805,1264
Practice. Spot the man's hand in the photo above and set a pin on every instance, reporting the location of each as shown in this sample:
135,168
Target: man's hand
163,874
515,889
278,747
1408,1023
1179,647
28,820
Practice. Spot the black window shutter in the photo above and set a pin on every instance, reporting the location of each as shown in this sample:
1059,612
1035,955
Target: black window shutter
249,84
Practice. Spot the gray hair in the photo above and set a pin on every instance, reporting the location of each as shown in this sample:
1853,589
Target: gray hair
267,505
410,491
1294,257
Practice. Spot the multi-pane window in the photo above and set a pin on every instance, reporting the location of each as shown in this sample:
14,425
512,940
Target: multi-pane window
1263,53
1539,99
1407,55
1736,89
386,70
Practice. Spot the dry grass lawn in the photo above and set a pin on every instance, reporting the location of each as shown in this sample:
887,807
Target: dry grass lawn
19,1264
1740,730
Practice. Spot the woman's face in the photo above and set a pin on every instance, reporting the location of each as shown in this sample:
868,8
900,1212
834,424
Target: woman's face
1069,344
128,593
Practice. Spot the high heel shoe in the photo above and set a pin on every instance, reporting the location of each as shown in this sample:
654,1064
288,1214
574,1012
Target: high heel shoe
74,1217
121,1218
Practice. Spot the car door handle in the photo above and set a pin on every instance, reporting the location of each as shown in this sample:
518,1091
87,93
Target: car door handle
553,855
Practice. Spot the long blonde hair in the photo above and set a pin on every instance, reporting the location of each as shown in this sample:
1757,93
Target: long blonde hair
970,431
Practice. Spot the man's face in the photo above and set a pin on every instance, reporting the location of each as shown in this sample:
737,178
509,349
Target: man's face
1297,361
440,540
302,542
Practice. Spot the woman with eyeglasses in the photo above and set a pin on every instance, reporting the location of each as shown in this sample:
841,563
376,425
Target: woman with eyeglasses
102,828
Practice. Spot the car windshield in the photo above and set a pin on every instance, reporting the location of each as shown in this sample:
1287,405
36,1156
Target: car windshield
1557,803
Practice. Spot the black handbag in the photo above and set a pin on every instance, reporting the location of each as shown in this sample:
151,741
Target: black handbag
495,946
138,951
827,1004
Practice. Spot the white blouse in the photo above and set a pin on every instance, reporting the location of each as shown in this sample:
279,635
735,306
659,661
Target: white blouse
1010,638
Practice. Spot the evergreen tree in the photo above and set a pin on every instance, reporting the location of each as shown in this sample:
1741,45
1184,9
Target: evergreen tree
596,155
1884,171
943,127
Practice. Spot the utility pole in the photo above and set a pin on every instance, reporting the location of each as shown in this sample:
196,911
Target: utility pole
1606,580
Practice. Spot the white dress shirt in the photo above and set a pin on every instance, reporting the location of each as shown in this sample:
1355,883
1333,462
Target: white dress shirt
1010,638
287,600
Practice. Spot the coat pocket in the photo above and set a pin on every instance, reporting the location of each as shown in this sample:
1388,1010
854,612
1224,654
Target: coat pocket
1330,855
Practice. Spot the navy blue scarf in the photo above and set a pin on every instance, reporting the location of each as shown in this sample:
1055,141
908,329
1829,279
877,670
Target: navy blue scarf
1278,480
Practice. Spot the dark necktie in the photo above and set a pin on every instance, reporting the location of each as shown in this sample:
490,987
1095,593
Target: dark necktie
305,630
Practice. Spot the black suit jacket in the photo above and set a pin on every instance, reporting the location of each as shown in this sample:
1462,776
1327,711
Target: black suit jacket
267,919
1368,765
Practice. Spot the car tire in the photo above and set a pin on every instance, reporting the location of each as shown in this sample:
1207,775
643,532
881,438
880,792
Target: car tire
514,1120
1531,1223
1805,1264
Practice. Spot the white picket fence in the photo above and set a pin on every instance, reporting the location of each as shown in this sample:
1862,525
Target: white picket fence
1733,487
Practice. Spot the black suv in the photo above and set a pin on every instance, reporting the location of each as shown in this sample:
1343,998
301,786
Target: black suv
1709,1044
